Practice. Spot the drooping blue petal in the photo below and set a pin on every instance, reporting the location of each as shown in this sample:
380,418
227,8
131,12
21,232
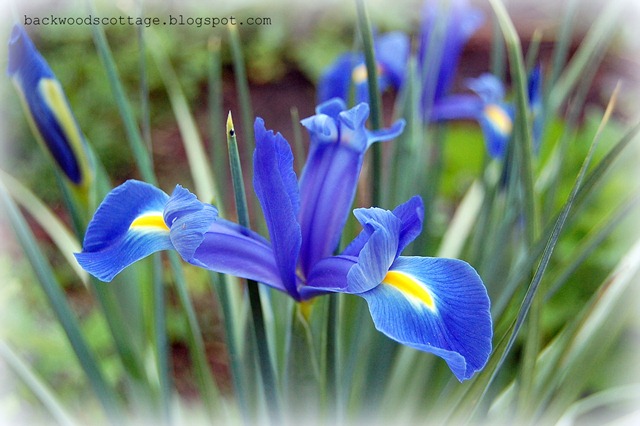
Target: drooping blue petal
431,304
276,186
339,140
435,305
487,108
127,227
48,110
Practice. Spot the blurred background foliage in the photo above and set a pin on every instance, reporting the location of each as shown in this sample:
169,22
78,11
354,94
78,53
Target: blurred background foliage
283,62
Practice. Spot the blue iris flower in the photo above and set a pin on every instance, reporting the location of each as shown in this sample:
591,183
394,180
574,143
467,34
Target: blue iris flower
494,114
47,109
349,70
434,305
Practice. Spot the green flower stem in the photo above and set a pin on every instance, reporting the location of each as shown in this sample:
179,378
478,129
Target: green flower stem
264,356
375,100
40,389
523,149
61,308
210,395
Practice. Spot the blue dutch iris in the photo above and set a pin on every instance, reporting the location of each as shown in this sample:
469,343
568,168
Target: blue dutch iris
487,106
434,305
350,70
48,110
493,113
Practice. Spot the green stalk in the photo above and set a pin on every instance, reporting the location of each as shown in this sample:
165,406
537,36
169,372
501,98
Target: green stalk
375,100
298,144
161,344
264,356
206,383
61,308
523,152
242,84
233,321
141,155
36,385
470,401
216,126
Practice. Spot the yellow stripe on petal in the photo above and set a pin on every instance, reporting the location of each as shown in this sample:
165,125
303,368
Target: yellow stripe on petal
153,221
499,118
408,285
359,74
53,95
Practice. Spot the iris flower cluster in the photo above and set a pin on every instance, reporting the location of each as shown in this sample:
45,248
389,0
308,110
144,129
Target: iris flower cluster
431,304
437,66
434,305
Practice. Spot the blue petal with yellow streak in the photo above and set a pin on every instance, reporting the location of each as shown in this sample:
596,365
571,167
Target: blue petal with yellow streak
128,226
434,305
48,110
137,219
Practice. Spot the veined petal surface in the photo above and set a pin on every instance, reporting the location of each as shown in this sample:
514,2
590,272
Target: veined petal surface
276,186
127,227
435,305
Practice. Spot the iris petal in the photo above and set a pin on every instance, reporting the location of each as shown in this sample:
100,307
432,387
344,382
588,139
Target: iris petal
276,186
457,328
459,22
330,176
496,122
378,253
335,82
48,109
231,249
111,243
189,220
410,214
392,53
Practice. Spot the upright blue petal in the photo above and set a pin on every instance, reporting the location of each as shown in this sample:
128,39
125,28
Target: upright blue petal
535,105
453,26
410,214
335,81
127,227
349,70
276,186
339,140
48,110
392,53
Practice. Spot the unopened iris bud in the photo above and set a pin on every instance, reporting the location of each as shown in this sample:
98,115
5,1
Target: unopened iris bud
48,109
